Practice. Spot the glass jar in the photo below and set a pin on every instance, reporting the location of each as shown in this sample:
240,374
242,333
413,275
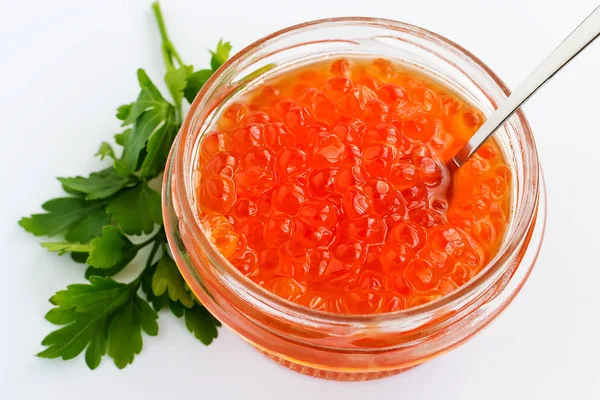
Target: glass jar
338,346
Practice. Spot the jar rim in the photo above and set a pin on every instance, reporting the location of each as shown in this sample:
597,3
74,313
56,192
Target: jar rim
486,277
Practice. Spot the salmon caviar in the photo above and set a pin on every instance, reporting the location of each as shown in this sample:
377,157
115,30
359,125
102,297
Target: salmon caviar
327,186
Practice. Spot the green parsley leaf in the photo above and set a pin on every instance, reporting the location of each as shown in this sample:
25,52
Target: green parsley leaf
98,345
105,150
145,126
176,308
72,192
201,323
136,210
62,247
195,83
98,185
168,279
84,309
60,316
148,99
123,137
104,316
89,227
158,148
197,319
124,111
220,55
110,249
125,332
161,301
70,341
105,272
158,302
176,80
66,214
84,297
148,316
80,258
148,114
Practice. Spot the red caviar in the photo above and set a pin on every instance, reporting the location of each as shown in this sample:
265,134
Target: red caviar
327,186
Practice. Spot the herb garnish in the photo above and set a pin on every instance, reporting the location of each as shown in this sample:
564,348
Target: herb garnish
100,217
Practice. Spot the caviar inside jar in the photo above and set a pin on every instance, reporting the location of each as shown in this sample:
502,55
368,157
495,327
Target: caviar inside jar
326,185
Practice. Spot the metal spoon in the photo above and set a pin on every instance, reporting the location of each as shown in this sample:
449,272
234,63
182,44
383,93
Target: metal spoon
578,40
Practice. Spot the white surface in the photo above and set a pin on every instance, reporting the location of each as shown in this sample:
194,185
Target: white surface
66,65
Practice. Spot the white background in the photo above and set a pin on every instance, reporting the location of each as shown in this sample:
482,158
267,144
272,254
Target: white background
66,65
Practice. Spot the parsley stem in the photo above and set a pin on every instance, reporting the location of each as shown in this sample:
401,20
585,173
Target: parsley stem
155,248
165,248
160,21
169,50
176,54
155,238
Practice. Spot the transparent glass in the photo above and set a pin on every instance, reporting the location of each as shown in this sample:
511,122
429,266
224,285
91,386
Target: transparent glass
338,346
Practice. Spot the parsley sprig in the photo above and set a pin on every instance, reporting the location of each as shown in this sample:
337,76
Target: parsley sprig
101,218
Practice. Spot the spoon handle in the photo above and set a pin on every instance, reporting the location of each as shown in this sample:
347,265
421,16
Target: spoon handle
578,40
